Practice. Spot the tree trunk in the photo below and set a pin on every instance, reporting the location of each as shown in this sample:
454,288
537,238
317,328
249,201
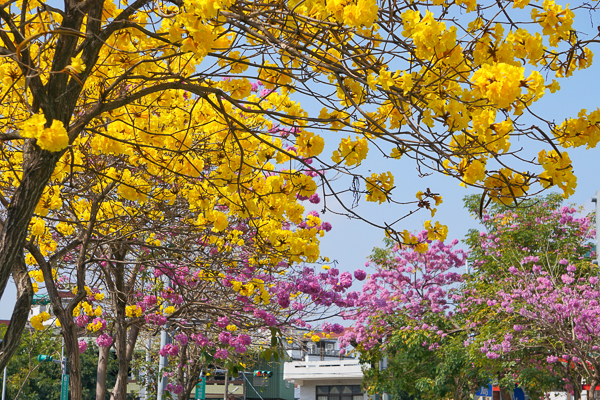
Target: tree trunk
592,391
183,360
18,320
37,170
577,387
73,359
120,390
38,166
192,380
101,373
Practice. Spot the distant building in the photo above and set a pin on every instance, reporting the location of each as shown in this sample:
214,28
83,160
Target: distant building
320,372
41,303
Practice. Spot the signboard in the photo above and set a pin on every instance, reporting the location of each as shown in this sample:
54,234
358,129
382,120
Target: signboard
64,388
201,388
518,394
485,391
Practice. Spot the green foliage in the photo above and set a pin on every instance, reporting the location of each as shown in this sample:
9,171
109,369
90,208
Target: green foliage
530,232
423,365
33,380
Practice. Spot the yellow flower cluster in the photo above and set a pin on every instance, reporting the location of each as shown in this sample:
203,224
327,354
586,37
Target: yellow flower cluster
235,67
351,152
77,65
354,13
169,310
499,83
437,231
54,138
558,171
430,37
505,185
411,240
556,22
309,144
88,309
237,88
37,275
581,131
379,186
37,321
249,289
95,326
133,311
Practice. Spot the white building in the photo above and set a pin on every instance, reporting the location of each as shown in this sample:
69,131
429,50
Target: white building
41,303
319,372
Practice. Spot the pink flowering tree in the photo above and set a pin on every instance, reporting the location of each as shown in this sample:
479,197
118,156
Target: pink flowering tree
525,313
532,277
405,316
408,284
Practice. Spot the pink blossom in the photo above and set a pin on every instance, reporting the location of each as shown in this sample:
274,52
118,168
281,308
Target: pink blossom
104,340
169,349
360,275
83,345
221,354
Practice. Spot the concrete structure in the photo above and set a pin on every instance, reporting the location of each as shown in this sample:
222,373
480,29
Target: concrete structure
326,380
320,372
338,370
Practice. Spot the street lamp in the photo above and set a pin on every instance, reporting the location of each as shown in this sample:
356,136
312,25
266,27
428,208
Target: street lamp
64,382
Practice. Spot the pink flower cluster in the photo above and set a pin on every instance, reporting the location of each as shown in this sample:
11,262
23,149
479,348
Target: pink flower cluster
397,289
83,345
169,349
104,340
175,389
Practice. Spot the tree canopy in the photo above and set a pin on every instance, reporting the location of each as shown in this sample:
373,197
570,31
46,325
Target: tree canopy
148,138
525,312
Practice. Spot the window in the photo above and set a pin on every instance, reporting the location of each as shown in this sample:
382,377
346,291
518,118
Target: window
339,392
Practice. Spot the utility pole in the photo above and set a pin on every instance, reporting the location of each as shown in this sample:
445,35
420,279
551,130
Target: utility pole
226,391
4,385
164,340
144,373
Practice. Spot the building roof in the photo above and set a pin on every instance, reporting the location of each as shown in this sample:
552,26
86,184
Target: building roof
66,295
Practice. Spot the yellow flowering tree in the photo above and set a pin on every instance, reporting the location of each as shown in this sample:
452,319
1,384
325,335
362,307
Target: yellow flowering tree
120,119
118,246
